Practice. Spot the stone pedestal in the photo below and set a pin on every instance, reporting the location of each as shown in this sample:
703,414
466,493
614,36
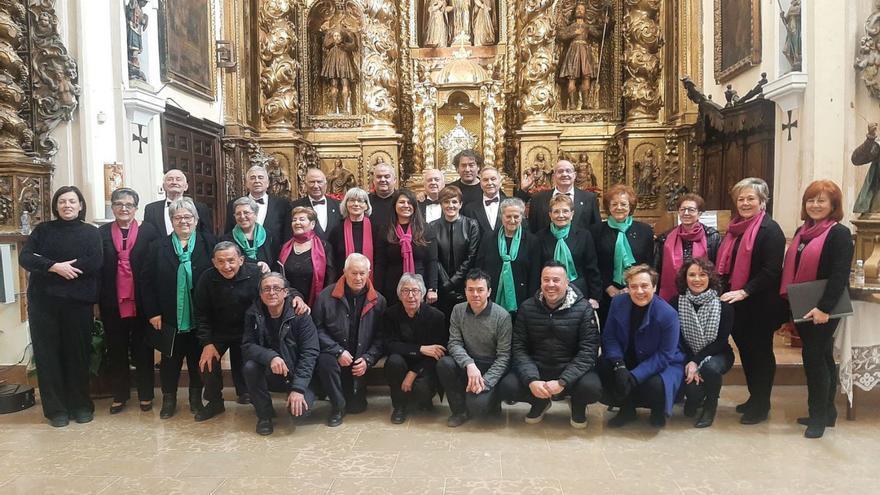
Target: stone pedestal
379,147
868,245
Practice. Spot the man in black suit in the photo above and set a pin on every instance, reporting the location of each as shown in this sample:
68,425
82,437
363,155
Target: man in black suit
586,204
430,206
327,209
486,209
384,185
273,212
174,184
468,163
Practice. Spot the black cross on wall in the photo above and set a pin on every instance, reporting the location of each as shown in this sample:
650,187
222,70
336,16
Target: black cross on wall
142,140
789,125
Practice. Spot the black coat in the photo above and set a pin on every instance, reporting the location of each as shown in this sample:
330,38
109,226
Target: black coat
331,316
139,266
404,335
583,252
334,215
585,209
464,244
560,343
220,303
389,263
298,339
834,265
721,344
713,240
641,241
336,241
477,211
526,267
154,214
276,223
267,253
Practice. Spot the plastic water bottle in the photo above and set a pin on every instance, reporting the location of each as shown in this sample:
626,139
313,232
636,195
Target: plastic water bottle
860,274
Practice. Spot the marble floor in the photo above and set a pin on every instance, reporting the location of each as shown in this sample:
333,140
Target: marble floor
135,452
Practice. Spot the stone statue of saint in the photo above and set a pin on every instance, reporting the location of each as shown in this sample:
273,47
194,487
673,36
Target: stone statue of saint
437,25
484,23
586,178
792,47
340,179
338,67
461,20
578,66
645,174
137,21
869,152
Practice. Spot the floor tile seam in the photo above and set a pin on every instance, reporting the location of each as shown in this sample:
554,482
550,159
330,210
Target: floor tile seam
116,479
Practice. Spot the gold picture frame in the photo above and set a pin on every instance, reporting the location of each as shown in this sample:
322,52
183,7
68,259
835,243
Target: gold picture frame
186,46
737,37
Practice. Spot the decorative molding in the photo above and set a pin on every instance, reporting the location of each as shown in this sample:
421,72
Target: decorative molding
642,37
787,91
868,57
538,48
15,135
279,73
379,69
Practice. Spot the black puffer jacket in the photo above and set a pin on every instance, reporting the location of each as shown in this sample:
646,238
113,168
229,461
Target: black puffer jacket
562,343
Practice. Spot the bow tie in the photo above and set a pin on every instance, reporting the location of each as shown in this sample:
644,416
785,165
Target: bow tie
569,194
490,201
262,200
167,204
319,202
429,201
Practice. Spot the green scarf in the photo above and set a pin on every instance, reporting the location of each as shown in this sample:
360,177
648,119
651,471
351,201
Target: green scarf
184,282
562,254
623,254
506,296
240,239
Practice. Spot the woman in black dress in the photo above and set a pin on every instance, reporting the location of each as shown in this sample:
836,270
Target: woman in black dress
306,260
255,242
355,233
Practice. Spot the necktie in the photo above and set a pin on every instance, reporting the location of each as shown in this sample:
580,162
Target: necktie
490,201
319,202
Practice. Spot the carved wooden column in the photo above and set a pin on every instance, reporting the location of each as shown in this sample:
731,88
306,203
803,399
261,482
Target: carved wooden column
538,37
380,81
279,66
641,34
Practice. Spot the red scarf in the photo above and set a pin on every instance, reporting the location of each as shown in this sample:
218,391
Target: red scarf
748,230
673,256
124,277
814,234
367,241
406,248
319,260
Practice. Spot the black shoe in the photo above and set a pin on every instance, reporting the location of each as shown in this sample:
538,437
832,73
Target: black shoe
117,407
578,418
59,420
753,417
244,399
335,418
456,420
707,417
744,407
169,406
830,420
690,408
146,405
658,418
264,426
398,415
209,411
195,400
83,417
624,416
814,431
537,412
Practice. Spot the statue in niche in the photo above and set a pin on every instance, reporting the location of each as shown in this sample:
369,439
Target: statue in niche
340,179
539,175
137,21
461,20
437,26
484,25
338,66
645,171
792,47
586,178
577,66
868,200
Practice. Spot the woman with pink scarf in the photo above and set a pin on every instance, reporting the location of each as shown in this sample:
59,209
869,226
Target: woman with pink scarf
306,261
821,249
750,263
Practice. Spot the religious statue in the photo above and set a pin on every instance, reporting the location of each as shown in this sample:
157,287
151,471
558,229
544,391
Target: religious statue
645,170
279,181
340,179
137,22
586,178
484,23
437,25
869,152
792,47
539,175
461,20
578,66
339,68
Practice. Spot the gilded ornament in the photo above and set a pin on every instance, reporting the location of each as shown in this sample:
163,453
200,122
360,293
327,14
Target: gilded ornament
642,64
868,58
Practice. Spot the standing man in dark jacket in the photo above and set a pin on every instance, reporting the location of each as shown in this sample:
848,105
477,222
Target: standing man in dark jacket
585,203
280,349
325,208
555,349
347,316
468,163
175,184
273,212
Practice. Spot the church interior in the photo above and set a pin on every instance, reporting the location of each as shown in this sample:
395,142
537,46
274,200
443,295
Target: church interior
668,97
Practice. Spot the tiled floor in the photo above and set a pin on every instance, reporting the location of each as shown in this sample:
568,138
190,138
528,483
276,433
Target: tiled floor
135,452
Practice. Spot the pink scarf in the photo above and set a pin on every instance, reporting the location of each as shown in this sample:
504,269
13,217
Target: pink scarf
748,230
367,241
319,260
814,234
124,277
673,256
406,249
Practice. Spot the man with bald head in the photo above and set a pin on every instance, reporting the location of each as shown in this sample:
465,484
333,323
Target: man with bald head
174,183
273,212
430,206
326,209
384,185
586,204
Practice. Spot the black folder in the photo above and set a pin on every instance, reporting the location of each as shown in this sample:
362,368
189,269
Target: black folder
805,296
162,340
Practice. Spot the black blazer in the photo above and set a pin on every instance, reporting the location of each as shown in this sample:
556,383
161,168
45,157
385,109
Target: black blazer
477,211
423,207
139,266
389,263
526,267
276,223
464,244
267,253
641,241
334,217
721,344
154,214
586,210
583,252
834,265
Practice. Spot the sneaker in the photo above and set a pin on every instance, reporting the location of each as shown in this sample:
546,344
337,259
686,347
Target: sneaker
264,427
578,419
536,413
456,420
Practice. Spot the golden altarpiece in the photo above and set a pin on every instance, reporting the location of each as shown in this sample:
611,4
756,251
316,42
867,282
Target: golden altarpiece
346,84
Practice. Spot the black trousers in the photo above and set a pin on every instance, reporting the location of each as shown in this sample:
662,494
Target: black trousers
213,379
423,389
260,381
126,341
61,335
346,392
186,347
712,373
651,393
820,368
753,335
586,390
454,380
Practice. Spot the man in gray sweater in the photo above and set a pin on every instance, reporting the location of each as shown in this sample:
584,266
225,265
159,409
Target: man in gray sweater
479,352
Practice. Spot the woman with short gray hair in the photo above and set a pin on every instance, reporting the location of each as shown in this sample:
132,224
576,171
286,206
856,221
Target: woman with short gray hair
255,242
355,233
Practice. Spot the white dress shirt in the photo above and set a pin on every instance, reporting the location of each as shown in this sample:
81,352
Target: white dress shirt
492,210
433,212
261,208
570,193
168,227
320,211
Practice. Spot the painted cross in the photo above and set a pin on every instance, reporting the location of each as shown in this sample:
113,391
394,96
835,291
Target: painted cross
789,125
141,139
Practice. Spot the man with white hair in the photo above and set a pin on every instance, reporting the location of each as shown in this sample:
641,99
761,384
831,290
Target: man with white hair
174,183
326,209
430,206
384,185
346,315
585,203
273,212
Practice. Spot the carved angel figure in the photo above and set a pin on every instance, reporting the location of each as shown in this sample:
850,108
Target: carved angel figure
484,25
437,26
577,65
338,67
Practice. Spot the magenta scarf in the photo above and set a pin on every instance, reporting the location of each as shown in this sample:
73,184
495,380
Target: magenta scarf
673,257
406,249
748,230
319,260
124,277
367,241
814,234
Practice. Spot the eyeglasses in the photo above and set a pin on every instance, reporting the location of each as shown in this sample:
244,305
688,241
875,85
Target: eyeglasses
410,292
244,214
272,290
183,218
688,210
123,206
357,200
